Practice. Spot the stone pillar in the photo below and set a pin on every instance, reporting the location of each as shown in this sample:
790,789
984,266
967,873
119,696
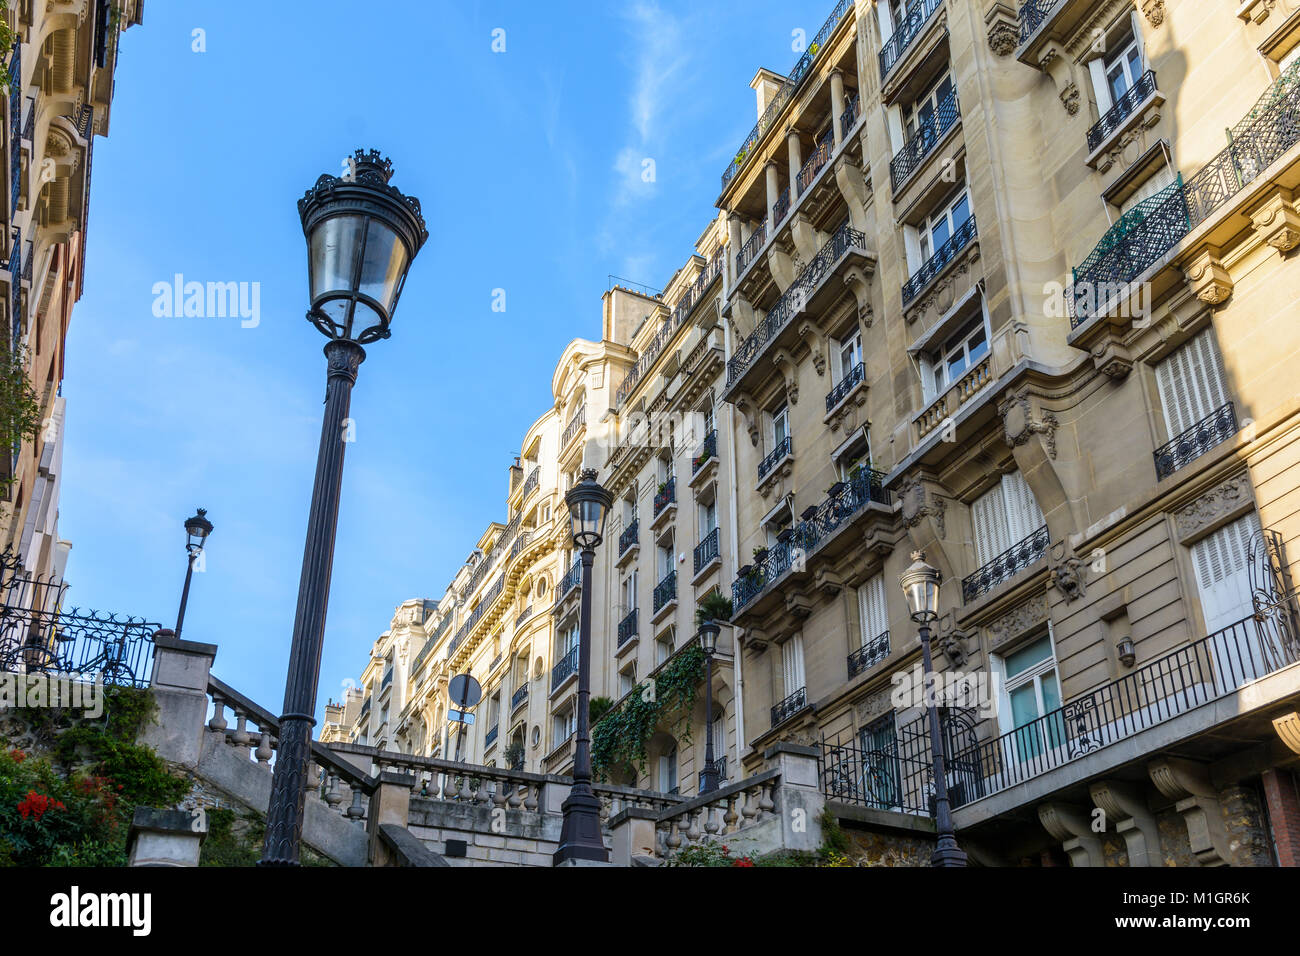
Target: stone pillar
799,798
837,105
734,242
1072,826
796,161
1196,800
180,687
166,837
773,182
633,832
1126,807
1282,794
390,803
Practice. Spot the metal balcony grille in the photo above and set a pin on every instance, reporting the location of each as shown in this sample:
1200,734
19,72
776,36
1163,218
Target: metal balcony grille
629,536
782,449
755,242
1032,15
1122,110
534,479
849,118
566,668
932,129
665,591
916,17
627,627
707,451
923,276
706,550
575,425
781,208
845,385
1006,565
666,496
571,579
1213,429
789,707
519,696
820,156
869,654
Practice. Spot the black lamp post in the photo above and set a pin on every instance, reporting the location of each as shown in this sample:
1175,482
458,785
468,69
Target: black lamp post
362,235
197,530
709,642
921,585
580,836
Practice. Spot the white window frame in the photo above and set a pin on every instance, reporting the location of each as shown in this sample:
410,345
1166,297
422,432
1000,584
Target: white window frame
873,609
848,356
1099,67
911,112
792,665
1191,382
1003,516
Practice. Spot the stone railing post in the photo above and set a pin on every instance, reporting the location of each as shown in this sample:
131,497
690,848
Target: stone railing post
179,683
166,837
799,797
633,832
389,803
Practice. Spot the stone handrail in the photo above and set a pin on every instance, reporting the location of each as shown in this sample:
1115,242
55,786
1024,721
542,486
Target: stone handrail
720,813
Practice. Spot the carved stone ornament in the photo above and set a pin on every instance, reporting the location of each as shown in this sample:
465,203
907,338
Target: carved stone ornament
1277,221
1221,500
1209,280
1018,621
785,365
1019,425
1070,98
1154,11
1067,574
873,705
1002,37
917,504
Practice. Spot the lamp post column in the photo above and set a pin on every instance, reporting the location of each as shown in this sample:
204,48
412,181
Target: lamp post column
946,851
185,591
288,785
709,781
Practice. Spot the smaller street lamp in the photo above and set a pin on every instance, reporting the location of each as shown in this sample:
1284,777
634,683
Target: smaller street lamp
197,529
921,585
709,630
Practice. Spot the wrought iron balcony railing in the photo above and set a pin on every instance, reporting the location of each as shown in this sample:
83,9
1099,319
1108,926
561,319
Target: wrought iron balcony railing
1214,429
629,536
1006,565
845,501
959,240
795,299
790,706
533,481
1032,15
755,242
783,448
491,736
845,385
575,425
524,615
916,16
1122,110
869,654
520,695
720,765
1212,667
666,495
706,550
15,126
76,643
786,92
849,118
571,580
627,627
709,449
665,591
928,133
780,208
566,668
820,156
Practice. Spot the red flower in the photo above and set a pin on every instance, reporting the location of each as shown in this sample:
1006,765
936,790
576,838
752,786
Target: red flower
37,805
743,861
18,756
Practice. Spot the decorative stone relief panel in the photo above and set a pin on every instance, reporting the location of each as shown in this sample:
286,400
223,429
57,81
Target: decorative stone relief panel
1208,511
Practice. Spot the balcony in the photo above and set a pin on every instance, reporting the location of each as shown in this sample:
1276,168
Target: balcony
491,736
928,135
1216,666
566,668
914,19
708,453
784,449
1005,566
15,127
629,538
845,254
524,615
532,483
947,405
706,552
627,627
813,165
665,592
1142,236
576,424
1213,429
786,93
849,118
720,765
819,525
755,242
780,208
869,655
520,696
789,707
1127,105
930,270
571,581
666,495
845,386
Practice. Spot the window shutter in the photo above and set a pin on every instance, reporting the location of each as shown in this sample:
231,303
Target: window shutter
1097,70
872,613
989,521
1024,517
792,661
1222,572
1191,383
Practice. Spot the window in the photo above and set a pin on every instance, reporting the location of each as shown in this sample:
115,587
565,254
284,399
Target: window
792,664
629,592
668,771
565,725
849,356
708,517
780,425
1120,66
627,679
709,421
1191,383
958,355
568,639
941,226
1031,690
665,468
719,732
629,510
1004,516
664,646
873,612
881,784
1222,565
494,710
666,553
920,114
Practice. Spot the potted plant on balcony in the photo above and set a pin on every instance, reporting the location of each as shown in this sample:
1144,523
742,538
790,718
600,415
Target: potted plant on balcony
513,756
812,50
714,606
759,555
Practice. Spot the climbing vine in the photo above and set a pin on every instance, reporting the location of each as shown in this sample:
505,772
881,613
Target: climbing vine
620,738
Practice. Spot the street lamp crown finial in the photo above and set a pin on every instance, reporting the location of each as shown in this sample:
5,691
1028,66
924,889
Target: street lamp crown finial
918,555
370,165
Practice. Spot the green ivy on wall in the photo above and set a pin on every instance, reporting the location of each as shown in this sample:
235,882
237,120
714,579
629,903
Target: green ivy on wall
619,740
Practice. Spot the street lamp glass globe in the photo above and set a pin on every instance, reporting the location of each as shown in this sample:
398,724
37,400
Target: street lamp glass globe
588,508
921,586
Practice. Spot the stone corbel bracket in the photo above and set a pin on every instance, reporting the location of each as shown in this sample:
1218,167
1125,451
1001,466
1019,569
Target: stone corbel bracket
1197,802
858,278
1003,28
1208,278
1056,64
789,371
1276,220
817,344
749,412
1073,827
1124,806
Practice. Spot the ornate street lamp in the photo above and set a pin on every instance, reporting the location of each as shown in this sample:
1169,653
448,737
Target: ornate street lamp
921,585
362,236
709,631
197,529
580,836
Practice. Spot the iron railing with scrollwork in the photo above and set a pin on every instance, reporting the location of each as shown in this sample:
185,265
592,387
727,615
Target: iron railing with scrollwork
707,550
846,500
780,209
666,495
1032,15
784,448
755,242
929,131
576,423
789,707
869,654
15,126
1006,565
820,156
786,92
533,481
1129,101
565,668
627,627
1214,429
571,579
962,237
845,385
795,299
707,451
1212,667
665,591
491,737
524,615
77,643
720,765
849,118
914,18
429,645
629,536
520,695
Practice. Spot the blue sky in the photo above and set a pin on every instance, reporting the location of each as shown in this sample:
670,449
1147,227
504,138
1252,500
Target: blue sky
528,164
